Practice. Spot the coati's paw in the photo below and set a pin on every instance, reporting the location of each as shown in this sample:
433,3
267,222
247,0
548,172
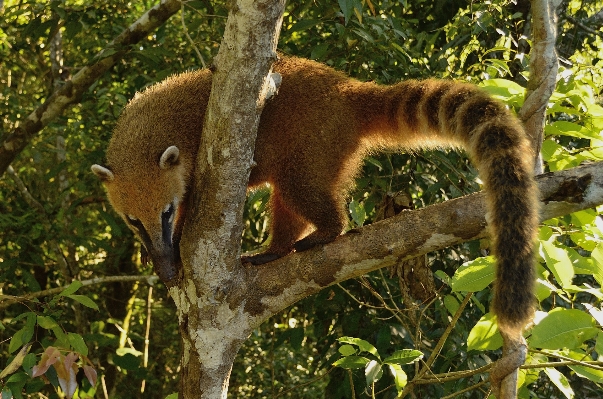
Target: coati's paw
304,244
313,240
260,259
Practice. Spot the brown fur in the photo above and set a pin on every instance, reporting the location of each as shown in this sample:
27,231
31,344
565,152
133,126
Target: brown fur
311,142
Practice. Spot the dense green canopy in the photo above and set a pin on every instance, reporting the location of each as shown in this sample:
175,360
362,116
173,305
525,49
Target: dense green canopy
56,226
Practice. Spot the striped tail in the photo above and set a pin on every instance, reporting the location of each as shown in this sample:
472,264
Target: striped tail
433,112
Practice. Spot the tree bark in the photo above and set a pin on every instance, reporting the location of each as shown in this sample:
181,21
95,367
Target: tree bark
543,73
70,92
211,313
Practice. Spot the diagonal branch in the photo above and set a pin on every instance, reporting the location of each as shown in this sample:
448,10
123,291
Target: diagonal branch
276,285
72,90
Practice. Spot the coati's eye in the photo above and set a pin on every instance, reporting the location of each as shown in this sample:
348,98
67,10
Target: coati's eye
134,222
139,230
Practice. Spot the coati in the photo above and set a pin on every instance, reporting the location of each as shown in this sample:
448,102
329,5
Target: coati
310,145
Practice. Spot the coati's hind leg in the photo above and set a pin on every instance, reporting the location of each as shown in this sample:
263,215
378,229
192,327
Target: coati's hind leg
286,227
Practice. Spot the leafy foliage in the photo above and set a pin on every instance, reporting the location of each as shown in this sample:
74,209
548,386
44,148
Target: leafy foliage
57,228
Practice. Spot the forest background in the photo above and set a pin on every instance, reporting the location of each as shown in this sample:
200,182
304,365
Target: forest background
57,227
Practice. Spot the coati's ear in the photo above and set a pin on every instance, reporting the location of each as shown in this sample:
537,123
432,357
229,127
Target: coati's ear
103,173
169,157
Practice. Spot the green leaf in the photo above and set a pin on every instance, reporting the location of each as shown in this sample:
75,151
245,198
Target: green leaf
29,361
564,128
297,337
304,24
347,350
510,87
404,356
558,262
451,304
77,343
563,328
347,7
550,149
352,362
583,218
560,382
363,345
373,372
72,288
400,377
16,362
21,337
474,276
172,396
358,212
599,345
375,162
127,362
84,300
597,254
485,335
364,35
46,322
583,371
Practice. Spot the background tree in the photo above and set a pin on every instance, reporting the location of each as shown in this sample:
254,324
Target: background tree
56,226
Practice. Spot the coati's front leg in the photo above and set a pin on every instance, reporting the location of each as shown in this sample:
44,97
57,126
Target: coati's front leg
285,229
287,226
321,209
329,219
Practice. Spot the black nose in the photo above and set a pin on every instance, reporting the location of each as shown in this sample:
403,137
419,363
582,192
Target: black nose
166,266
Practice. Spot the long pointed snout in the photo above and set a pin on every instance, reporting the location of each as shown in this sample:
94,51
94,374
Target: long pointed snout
166,264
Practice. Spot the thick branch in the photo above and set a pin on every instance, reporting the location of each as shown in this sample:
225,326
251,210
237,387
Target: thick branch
73,89
279,284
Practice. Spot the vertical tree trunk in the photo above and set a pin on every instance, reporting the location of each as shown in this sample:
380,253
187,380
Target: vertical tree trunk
543,73
211,310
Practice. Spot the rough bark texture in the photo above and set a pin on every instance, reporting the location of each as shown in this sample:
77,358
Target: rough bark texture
71,91
543,73
212,324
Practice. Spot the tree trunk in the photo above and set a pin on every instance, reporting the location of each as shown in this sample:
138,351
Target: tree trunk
213,321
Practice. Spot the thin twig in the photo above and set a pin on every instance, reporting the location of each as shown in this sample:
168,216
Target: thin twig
313,380
7,300
190,39
439,345
359,301
569,359
470,388
31,201
145,356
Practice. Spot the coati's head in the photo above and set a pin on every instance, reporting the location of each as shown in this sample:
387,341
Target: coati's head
152,202
149,163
